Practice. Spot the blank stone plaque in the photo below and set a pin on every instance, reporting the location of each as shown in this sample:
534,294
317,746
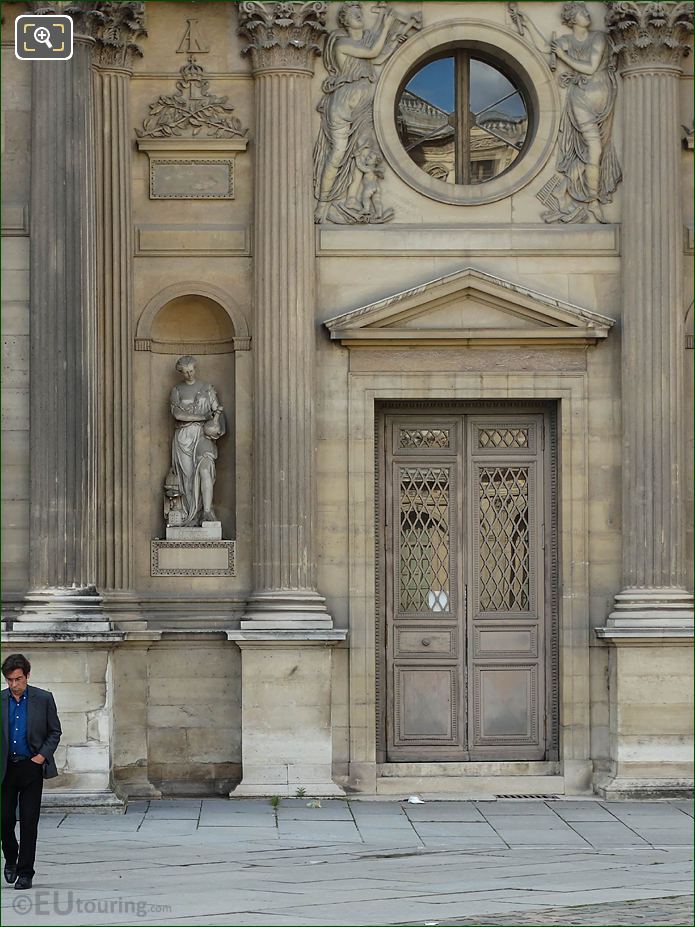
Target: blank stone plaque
192,180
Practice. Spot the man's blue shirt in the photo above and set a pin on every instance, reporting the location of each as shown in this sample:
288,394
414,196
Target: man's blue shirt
19,744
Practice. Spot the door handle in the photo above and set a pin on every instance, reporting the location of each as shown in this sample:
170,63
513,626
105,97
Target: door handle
426,642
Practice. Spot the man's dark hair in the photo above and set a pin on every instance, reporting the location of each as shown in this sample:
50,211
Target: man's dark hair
14,662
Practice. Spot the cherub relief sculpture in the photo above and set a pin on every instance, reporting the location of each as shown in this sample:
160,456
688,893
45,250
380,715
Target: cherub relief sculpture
200,422
347,158
587,165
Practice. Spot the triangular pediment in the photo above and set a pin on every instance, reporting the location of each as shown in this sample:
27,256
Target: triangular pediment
469,307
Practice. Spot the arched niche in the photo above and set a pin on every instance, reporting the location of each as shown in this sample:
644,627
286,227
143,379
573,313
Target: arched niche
192,316
203,321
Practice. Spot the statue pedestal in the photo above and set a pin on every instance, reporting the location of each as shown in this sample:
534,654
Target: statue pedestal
193,552
208,531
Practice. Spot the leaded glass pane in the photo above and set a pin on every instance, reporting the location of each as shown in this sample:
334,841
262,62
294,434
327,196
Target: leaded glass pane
504,539
423,437
424,556
503,437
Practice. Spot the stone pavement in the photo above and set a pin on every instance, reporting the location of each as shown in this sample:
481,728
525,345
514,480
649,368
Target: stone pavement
363,862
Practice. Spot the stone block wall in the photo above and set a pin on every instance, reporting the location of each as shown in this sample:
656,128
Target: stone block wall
194,717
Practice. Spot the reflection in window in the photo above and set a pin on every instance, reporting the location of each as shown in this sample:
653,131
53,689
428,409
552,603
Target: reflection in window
462,120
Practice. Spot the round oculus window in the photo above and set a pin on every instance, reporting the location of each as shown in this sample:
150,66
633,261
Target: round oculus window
462,119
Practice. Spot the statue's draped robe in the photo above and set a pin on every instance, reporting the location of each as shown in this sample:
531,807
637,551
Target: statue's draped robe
190,447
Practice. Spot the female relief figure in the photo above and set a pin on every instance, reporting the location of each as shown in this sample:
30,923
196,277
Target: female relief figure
586,157
199,423
347,137
346,110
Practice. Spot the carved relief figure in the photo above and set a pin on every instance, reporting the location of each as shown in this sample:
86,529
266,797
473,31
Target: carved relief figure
347,192
586,160
200,422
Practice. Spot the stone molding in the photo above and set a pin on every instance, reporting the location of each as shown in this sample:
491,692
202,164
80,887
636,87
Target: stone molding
545,320
650,35
282,36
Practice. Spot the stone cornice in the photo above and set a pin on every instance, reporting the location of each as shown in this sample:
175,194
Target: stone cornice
282,36
113,26
650,35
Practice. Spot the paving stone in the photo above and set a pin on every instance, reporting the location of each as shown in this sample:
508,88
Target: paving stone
664,911
608,834
241,869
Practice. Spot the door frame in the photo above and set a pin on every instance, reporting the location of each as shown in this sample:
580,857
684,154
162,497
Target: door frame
368,385
548,515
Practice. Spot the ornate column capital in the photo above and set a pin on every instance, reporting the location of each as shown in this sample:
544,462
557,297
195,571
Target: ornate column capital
113,26
282,36
650,35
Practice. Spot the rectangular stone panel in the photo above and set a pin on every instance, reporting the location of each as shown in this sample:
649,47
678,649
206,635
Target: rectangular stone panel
184,239
192,180
191,558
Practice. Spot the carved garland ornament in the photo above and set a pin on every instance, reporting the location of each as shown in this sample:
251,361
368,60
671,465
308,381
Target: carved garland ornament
192,110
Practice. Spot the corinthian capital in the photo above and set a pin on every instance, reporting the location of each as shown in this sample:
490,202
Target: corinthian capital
120,24
113,26
285,36
650,34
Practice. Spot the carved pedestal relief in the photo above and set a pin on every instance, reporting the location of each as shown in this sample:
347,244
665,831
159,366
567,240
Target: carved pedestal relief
191,138
348,162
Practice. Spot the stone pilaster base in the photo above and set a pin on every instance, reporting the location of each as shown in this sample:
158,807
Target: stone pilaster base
289,610
651,720
286,712
63,609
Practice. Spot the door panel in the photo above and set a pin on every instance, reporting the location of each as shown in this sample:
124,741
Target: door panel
424,629
463,597
507,691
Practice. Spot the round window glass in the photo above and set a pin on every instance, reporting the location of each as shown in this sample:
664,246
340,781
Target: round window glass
462,120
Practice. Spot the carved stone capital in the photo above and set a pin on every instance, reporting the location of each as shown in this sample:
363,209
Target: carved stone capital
648,35
282,36
121,25
113,27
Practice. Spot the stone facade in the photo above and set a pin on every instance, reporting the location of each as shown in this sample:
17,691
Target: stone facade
240,191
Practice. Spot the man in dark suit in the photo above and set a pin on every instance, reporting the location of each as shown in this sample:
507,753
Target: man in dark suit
30,733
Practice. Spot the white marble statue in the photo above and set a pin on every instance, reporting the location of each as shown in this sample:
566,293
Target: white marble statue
347,158
200,422
586,161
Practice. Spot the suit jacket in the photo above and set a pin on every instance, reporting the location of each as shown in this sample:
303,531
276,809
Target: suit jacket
43,728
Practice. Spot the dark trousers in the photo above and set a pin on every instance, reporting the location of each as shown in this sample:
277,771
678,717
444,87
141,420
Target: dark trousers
24,782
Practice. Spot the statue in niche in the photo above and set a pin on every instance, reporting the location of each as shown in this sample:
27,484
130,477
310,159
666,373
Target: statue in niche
200,422
588,167
347,158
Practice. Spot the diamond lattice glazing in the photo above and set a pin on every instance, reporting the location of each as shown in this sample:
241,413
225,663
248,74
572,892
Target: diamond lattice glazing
424,539
424,437
503,437
504,539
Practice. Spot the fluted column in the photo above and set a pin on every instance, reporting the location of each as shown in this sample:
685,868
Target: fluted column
113,60
63,410
652,39
284,39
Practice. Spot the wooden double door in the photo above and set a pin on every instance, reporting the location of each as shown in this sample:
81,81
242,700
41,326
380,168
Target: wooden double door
468,635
